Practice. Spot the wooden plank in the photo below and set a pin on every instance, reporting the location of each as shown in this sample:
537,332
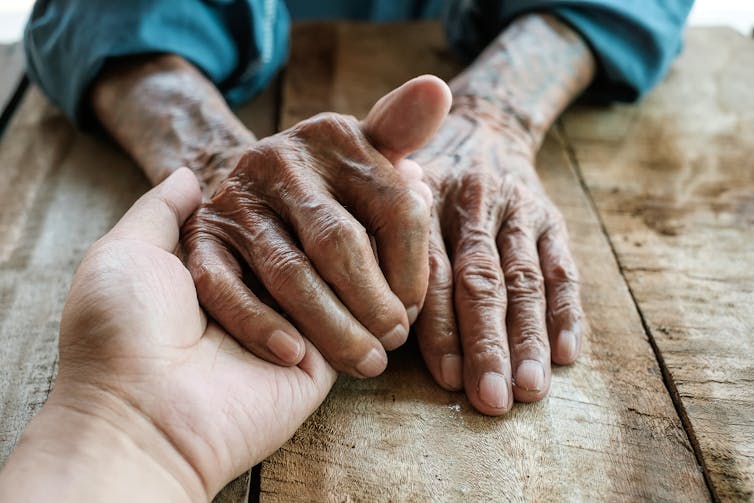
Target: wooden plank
673,181
12,63
62,190
608,430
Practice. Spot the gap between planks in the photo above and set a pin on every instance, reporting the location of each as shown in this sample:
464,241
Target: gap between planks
667,377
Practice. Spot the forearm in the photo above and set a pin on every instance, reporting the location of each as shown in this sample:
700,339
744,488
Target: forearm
166,115
526,77
69,453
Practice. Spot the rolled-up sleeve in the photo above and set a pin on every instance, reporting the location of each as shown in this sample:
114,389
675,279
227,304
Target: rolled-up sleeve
634,42
237,44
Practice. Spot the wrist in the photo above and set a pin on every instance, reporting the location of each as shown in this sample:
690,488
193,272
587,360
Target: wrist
212,167
90,445
527,76
511,125
167,115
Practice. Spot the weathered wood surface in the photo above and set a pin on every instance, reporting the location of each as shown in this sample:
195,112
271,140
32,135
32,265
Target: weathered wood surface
673,184
12,67
608,430
673,181
62,190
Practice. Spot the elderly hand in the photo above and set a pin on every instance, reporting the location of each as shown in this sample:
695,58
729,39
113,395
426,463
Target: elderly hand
503,292
295,218
148,392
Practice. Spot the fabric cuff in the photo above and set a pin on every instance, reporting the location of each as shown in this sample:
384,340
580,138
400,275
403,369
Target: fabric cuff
634,42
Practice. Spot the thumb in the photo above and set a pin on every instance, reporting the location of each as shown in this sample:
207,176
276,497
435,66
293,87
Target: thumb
157,216
404,120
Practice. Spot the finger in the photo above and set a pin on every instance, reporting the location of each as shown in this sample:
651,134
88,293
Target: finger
223,294
317,312
480,307
527,335
374,192
341,252
399,221
412,174
436,328
320,372
564,311
157,216
404,120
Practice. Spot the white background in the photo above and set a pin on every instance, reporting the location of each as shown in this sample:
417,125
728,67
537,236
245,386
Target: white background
736,13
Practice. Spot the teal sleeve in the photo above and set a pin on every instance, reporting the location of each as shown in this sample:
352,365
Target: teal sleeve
237,44
634,41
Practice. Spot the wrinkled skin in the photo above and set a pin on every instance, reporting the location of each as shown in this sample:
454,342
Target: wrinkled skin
135,345
503,297
299,209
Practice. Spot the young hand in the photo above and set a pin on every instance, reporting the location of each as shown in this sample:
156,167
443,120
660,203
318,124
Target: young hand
152,400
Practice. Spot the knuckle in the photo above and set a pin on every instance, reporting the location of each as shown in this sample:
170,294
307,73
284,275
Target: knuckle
488,348
565,302
229,196
286,269
412,209
481,280
205,277
272,168
564,275
474,181
529,339
524,208
192,230
523,279
328,125
211,288
556,218
440,276
517,228
199,239
474,194
519,225
477,269
554,226
333,236
250,163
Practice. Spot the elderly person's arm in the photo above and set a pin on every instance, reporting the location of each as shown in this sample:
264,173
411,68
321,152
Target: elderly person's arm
503,289
503,299
291,214
293,211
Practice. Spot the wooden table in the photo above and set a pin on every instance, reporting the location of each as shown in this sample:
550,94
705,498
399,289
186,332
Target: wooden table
659,200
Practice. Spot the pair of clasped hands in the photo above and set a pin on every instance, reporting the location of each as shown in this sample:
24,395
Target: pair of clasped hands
331,224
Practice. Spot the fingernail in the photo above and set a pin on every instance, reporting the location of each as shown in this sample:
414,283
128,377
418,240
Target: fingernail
452,371
567,345
373,364
412,313
394,338
530,376
284,346
493,390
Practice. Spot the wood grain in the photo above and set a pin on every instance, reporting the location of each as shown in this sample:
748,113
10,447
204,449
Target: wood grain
673,181
12,64
62,190
608,430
